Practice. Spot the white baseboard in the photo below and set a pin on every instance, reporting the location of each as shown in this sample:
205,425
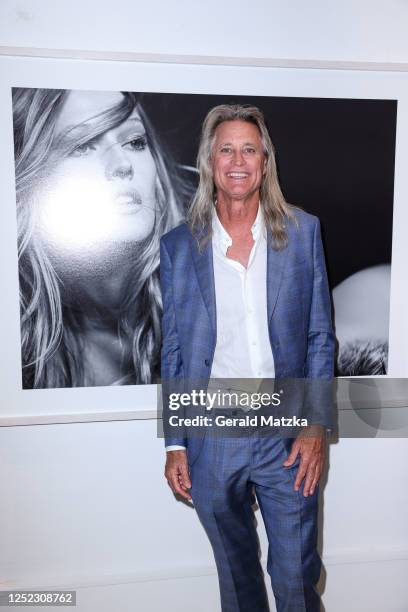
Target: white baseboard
185,572
355,581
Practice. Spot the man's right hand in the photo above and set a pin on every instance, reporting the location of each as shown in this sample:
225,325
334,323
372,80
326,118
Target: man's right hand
177,473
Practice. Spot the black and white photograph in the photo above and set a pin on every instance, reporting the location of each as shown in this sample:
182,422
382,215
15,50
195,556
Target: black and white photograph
95,192
101,175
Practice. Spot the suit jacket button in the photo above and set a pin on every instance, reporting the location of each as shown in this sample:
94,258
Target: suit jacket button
207,362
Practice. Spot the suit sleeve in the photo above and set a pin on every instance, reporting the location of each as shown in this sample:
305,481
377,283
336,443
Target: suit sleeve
319,367
172,372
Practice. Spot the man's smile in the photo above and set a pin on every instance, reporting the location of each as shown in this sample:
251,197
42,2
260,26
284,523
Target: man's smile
238,175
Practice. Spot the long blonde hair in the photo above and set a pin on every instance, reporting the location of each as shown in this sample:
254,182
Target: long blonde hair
51,331
274,206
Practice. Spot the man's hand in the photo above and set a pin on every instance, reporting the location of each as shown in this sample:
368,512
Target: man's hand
311,444
177,473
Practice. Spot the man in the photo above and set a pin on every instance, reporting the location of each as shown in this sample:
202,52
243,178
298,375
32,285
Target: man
245,295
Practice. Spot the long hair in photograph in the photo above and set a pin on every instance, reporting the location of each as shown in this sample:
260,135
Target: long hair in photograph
51,332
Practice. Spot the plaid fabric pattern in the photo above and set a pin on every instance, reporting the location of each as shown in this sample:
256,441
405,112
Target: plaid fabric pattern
299,314
226,471
224,477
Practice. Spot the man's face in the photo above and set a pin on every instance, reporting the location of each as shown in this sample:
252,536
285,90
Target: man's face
238,160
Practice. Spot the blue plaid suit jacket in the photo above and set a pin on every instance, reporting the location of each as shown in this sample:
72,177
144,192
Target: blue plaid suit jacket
299,312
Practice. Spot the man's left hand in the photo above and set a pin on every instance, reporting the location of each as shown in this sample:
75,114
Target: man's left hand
311,445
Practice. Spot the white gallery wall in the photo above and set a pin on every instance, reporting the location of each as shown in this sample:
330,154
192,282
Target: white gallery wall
85,505
352,30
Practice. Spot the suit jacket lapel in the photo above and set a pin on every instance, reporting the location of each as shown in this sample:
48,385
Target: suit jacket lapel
275,266
203,263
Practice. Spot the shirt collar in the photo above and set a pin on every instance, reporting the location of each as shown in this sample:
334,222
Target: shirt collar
224,240
259,224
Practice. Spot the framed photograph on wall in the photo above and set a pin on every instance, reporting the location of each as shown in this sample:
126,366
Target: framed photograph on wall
99,161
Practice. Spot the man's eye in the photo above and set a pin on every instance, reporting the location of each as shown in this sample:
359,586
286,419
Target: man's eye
226,150
249,150
83,149
138,144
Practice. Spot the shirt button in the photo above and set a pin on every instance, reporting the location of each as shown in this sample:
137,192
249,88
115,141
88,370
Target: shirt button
207,362
253,343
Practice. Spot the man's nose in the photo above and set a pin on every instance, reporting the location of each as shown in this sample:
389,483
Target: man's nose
118,165
238,158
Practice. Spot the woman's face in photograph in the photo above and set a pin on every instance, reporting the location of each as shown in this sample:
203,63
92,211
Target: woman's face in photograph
102,192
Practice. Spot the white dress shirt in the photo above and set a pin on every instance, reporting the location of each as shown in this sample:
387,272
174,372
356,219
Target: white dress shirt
243,348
